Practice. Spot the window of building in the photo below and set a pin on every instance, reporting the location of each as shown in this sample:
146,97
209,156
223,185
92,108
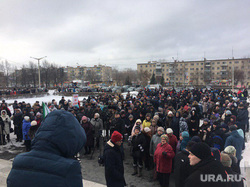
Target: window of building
212,68
149,65
213,63
197,68
163,69
236,62
201,63
229,67
163,65
167,79
230,62
141,66
154,65
181,79
151,70
218,62
201,68
191,68
223,62
146,66
192,64
177,79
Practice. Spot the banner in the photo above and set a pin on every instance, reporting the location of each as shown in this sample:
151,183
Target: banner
75,99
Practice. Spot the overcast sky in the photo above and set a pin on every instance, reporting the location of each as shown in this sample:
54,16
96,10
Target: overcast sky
123,33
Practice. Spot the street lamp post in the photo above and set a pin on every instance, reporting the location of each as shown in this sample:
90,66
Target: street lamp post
39,75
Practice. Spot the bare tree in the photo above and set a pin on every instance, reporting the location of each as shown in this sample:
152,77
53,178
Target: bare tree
143,77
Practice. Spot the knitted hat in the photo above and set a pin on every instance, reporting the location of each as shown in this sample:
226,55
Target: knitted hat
201,150
169,131
84,118
147,129
130,116
116,137
26,118
185,134
33,123
230,150
196,139
160,129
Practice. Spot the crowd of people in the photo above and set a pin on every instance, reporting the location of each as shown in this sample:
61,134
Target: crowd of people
186,133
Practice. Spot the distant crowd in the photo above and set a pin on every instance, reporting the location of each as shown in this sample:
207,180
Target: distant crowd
164,128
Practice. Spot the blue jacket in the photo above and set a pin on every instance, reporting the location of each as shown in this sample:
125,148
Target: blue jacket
237,141
26,128
50,163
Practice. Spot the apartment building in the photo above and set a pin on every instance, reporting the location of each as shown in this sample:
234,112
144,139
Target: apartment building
202,72
98,73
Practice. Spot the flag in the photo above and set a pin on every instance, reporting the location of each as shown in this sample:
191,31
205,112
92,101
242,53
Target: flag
45,110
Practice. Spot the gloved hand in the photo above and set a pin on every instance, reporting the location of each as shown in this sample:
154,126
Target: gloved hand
164,153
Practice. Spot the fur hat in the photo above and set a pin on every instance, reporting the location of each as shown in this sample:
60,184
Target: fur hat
201,150
116,137
33,123
165,137
26,118
138,120
230,150
160,129
147,129
169,131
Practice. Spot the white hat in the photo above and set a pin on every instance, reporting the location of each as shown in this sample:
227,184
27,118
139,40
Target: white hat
33,123
169,131
170,112
138,120
26,118
217,103
147,129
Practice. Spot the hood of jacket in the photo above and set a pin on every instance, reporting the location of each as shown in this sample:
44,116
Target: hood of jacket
60,133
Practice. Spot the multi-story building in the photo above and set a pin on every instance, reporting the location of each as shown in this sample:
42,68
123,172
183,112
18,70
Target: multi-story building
97,73
200,72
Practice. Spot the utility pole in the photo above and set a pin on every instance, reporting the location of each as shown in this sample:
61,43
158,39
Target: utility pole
39,75
233,78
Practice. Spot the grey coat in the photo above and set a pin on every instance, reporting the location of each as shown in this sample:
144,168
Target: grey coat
97,126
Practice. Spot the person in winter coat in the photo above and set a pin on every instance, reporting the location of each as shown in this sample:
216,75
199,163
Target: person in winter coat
50,163
182,167
183,123
38,118
117,124
88,128
203,129
138,151
242,117
204,164
97,127
193,124
184,138
147,121
231,151
237,141
237,180
172,139
163,160
25,130
114,169
148,161
129,123
137,123
155,140
18,120
153,127
7,123
33,129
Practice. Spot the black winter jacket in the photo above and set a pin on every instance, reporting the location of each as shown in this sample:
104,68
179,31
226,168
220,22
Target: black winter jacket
114,169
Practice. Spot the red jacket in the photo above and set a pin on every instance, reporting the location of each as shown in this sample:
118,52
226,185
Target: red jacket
173,141
163,162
